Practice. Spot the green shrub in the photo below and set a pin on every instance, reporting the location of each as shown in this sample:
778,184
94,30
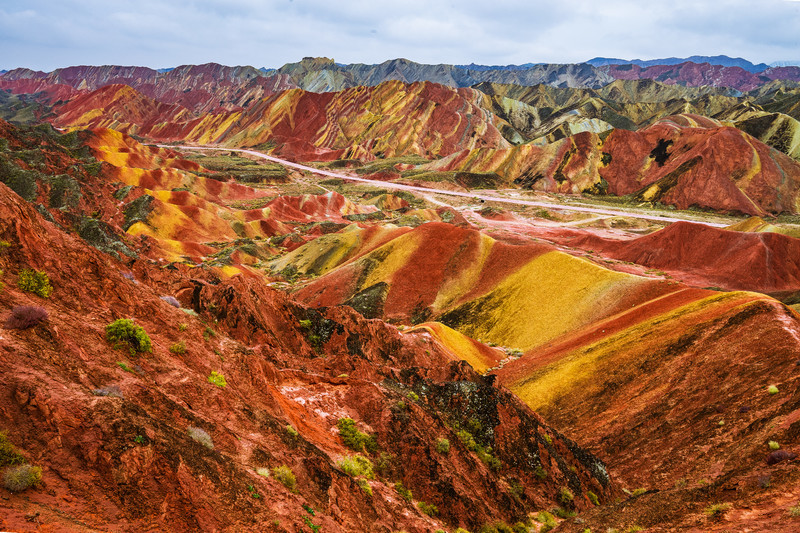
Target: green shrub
124,366
547,520
565,496
123,332
291,431
252,490
183,326
413,396
19,478
772,389
403,491
357,466
217,379
201,436
285,475
593,498
263,472
8,453
35,281
794,510
469,441
638,492
717,510
428,508
773,445
364,485
563,513
443,445
178,348
355,439
540,472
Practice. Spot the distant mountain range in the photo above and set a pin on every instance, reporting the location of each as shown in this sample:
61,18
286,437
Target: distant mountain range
723,61
325,75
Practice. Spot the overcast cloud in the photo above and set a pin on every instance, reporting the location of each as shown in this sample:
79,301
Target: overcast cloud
47,34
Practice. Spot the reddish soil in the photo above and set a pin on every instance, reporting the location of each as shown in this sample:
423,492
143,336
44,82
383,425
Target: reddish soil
113,440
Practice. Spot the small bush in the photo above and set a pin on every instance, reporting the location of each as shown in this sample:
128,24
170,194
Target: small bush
285,475
217,379
123,332
19,478
638,492
183,326
357,466
443,445
540,472
428,508
36,282
263,472
178,348
717,510
8,453
201,436
772,389
364,485
413,396
565,496
547,520
125,367
355,439
25,316
593,498
467,439
403,491
291,431
563,513
773,445
795,510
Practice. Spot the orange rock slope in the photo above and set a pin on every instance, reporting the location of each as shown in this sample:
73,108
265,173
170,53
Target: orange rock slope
230,420
685,161
391,118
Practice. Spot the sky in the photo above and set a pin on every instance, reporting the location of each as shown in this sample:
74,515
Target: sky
48,34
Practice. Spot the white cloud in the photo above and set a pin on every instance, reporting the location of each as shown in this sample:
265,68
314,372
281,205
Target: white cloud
46,34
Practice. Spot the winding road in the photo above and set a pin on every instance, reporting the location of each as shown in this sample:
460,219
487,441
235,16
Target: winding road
471,195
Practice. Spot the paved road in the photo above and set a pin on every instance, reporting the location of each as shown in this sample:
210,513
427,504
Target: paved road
471,195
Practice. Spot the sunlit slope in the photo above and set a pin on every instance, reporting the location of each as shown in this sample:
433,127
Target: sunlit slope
389,119
171,203
682,393
516,296
685,161
480,356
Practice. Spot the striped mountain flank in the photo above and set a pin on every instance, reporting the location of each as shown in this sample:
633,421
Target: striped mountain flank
685,161
518,296
389,119
183,211
480,356
684,384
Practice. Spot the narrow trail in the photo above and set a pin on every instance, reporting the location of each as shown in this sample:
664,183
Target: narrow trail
471,195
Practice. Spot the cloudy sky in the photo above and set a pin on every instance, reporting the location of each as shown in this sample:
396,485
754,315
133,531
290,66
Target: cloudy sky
47,34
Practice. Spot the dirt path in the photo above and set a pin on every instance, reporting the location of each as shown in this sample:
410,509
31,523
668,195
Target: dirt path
471,195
